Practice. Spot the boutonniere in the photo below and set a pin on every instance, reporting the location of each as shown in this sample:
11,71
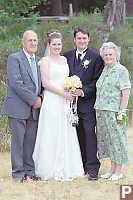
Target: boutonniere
39,63
86,63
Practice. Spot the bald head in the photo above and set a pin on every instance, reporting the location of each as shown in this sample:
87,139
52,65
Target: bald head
28,32
30,42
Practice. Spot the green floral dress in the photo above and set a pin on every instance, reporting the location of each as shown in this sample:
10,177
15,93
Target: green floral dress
112,138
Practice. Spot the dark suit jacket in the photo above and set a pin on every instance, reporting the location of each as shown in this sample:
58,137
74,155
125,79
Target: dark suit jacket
88,76
21,88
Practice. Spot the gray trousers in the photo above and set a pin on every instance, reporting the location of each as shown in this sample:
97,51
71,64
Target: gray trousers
23,137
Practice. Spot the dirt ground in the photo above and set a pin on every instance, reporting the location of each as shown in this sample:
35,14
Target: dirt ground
79,189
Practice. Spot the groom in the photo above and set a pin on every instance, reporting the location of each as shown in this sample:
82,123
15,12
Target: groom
88,65
22,105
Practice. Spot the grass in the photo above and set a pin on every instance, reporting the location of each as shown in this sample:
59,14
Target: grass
78,189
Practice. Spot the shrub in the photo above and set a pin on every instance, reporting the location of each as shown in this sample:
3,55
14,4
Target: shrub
4,128
92,22
11,35
123,37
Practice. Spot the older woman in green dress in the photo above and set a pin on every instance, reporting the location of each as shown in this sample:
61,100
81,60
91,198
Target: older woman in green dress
113,90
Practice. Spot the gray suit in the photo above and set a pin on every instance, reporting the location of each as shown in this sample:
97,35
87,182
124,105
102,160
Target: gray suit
23,119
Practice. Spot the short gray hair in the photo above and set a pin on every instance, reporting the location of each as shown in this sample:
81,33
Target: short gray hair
111,45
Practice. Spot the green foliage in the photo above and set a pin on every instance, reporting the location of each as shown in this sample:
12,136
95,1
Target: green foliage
91,5
18,7
4,135
86,5
122,117
2,88
24,7
94,26
8,47
10,37
4,17
130,103
42,30
4,129
123,37
10,42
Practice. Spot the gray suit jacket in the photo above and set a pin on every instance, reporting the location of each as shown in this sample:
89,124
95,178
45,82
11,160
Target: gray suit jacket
21,88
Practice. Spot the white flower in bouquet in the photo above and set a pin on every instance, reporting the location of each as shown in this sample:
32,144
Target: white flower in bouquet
75,77
122,117
72,82
77,85
119,117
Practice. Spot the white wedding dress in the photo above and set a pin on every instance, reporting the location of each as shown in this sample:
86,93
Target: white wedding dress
57,152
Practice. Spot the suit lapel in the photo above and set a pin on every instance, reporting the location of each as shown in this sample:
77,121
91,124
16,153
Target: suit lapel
27,66
71,61
87,56
38,72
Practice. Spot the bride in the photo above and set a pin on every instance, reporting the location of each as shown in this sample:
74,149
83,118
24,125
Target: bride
57,153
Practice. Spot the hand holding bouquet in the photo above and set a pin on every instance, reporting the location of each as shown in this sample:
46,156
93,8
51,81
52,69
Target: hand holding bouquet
72,84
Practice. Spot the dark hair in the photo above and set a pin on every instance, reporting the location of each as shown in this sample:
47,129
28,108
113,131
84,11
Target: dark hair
51,31
82,30
53,34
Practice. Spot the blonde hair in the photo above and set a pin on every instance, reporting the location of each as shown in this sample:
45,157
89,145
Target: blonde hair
111,45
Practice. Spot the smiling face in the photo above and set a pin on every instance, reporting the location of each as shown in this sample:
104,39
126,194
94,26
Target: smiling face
30,42
81,40
109,57
55,46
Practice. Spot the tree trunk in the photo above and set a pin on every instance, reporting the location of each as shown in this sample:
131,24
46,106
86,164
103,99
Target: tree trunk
129,7
115,13
56,7
75,6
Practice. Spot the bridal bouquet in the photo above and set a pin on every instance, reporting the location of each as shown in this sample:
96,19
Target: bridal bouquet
73,83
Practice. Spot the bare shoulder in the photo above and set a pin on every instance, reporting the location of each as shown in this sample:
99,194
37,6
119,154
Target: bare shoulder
43,61
64,59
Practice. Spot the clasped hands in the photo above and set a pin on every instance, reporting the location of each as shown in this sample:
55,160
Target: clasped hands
73,93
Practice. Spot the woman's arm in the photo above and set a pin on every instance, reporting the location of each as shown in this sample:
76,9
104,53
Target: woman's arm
124,98
123,104
44,71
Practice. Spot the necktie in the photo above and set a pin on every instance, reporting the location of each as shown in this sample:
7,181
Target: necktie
79,59
34,71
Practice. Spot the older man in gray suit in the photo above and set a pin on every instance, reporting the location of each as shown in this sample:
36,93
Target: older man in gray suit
22,105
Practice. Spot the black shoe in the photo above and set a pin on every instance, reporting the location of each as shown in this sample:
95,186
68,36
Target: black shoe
92,177
35,178
23,179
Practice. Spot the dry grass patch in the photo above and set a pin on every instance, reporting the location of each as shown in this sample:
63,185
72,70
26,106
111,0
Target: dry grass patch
79,189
